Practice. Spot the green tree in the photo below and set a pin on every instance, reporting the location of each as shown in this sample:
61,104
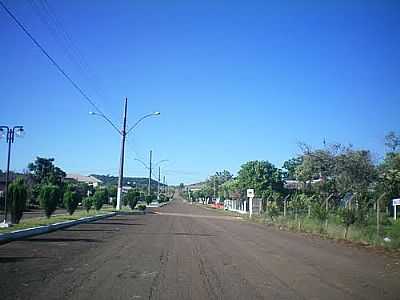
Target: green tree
133,197
320,213
87,203
71,200
49,196
300,203
261,176
100,196
354,171
389,175
348,216
112,193
17,197
290,167
392,141
43,170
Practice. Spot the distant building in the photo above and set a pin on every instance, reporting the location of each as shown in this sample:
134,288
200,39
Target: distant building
297,185
90,180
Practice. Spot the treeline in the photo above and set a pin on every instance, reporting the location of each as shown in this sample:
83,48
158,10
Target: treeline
139,182
334,182
44,185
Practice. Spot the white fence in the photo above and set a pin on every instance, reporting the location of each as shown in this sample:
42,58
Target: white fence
242,206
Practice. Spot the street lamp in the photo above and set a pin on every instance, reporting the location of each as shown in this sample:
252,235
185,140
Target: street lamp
150,171
10,133
123,134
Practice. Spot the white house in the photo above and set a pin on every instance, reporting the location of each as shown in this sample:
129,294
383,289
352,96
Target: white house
90,180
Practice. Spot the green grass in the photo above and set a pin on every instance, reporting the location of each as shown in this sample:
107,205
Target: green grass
364,234
41,221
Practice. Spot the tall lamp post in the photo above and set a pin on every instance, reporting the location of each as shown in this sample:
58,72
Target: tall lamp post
150,172
123,134
150,168
10,133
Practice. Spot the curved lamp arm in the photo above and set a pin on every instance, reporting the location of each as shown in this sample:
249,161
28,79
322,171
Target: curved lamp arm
141,119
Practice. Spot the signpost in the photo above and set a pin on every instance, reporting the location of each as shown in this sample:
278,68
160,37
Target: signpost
250,195
395,203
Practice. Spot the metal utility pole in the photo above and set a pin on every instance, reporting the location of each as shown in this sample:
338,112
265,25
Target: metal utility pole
149,184
121,162
10,136
158,184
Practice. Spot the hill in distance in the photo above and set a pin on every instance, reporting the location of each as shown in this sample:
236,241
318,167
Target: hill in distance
140,182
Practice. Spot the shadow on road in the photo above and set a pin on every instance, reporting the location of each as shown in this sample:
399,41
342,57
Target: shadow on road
92,230
118,223
56,240
177,234
16,259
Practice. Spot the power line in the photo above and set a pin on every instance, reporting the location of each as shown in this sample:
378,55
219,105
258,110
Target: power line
55,26
59,68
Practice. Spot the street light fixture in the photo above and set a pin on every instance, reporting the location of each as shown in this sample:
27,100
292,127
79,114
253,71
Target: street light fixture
123,134
9,133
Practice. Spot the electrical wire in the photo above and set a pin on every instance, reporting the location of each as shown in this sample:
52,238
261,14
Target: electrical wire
53,23
58,67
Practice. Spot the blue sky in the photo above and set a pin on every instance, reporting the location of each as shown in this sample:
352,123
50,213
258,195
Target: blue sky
234,81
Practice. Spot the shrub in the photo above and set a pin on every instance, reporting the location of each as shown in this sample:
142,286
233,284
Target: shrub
17,196
87,203
132,198
348,217
320,213
273,210
71,201
149,198
98,200
49,195
101,195
142,207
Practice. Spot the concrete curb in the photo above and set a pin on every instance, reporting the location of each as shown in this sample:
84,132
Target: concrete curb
24,233
131,213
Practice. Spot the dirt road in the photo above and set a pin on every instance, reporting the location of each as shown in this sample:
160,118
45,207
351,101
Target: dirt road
186,252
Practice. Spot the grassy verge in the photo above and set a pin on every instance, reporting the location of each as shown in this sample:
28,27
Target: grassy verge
366,234
41,221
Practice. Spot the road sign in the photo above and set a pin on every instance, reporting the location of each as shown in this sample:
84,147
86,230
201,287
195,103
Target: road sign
396,202
250,193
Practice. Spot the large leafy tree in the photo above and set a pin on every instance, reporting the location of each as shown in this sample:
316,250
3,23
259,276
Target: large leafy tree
261,176
216,181
43,170
389,175
290,166
354,171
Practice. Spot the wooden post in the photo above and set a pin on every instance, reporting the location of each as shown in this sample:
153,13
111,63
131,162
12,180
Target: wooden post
285,205
378,211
